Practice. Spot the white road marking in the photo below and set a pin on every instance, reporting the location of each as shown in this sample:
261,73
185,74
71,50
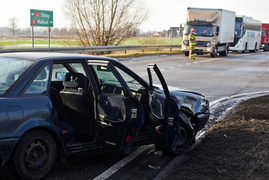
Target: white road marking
217,101
106,174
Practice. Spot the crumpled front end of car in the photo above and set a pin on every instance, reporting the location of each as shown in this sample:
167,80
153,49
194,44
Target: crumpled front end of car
194,103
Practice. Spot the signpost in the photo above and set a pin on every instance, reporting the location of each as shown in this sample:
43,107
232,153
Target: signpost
41,18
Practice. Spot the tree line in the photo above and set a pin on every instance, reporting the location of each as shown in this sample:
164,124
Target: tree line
95,22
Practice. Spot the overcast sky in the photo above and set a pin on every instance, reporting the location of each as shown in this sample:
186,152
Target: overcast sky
163,13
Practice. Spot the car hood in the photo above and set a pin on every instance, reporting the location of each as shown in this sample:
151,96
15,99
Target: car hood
193,101
190,100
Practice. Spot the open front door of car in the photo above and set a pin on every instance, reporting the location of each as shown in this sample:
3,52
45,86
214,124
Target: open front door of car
164,111
119,114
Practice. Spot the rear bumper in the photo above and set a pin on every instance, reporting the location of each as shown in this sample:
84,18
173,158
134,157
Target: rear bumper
6,147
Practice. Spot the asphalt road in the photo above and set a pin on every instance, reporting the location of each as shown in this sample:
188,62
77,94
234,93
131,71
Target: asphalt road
216,78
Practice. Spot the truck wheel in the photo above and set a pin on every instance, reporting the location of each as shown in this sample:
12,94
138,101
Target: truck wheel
214,53
34,155
186,53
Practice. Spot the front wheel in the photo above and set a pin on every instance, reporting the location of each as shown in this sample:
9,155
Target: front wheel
185,138
214,52
34,155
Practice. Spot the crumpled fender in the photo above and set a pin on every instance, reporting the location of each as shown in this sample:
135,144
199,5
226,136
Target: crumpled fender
185,119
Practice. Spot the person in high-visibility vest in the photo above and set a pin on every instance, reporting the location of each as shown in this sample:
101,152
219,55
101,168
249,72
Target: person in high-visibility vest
192,43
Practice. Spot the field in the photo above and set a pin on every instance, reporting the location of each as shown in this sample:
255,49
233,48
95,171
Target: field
10,43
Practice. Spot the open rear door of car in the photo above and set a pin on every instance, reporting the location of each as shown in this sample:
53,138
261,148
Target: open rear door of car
119,114
164,111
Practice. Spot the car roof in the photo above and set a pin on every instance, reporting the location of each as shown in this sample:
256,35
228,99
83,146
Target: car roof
38,56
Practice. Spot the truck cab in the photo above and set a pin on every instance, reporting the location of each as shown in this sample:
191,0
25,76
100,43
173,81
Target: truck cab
264,37
214,31
206,35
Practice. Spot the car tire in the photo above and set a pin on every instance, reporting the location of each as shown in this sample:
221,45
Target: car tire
186,53
185,138
34,155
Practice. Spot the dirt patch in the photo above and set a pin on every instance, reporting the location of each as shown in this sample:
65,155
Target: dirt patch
236,147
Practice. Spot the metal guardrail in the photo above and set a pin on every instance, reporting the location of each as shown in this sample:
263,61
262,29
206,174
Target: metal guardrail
91,49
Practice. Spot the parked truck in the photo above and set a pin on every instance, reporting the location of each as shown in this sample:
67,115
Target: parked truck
265,37
214,31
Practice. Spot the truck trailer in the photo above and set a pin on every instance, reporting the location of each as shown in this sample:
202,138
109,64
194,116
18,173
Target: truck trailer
265,37
214,31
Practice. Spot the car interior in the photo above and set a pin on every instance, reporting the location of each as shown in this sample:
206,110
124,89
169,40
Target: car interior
73,102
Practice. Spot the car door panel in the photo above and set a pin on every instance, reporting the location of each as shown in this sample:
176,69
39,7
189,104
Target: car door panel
110,108
120,115
164,109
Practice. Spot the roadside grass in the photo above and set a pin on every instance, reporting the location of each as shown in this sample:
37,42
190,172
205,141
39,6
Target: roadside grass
57,42
236,147
138,53
38,42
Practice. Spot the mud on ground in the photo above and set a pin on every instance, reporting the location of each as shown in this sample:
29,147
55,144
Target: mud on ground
236,147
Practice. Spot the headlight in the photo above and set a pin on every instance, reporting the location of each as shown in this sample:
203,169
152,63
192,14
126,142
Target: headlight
208,44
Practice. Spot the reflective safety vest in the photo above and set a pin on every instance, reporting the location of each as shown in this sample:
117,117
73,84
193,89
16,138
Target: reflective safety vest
192,39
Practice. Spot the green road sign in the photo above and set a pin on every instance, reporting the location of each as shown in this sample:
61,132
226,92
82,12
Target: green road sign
41,18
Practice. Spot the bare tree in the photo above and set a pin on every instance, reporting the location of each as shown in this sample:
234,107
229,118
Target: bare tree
12,26
105,22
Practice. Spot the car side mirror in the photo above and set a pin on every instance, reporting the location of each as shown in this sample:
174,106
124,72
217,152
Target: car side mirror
217,31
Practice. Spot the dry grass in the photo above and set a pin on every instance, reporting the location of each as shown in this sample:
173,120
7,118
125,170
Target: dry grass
235,148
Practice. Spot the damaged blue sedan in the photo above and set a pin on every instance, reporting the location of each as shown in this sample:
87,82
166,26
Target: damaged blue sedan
56,105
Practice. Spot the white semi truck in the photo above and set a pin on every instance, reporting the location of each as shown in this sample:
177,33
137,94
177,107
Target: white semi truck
214,31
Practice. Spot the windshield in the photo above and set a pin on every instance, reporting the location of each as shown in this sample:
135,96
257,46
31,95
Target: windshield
10,72
199,30
263,33
237,30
